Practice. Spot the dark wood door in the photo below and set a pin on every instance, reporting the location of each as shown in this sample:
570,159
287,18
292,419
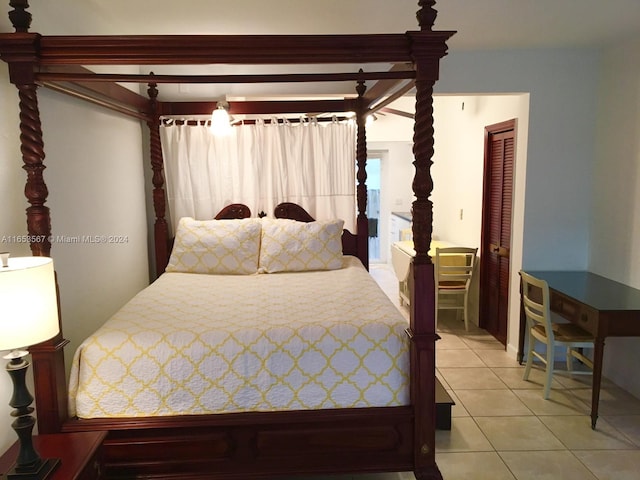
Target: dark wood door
496,228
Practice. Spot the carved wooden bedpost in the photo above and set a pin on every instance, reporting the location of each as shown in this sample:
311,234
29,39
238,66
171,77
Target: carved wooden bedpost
426,51
21,54
361,162
161,230
22,65
32,148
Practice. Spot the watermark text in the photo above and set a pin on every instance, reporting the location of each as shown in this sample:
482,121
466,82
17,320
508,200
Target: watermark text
79,239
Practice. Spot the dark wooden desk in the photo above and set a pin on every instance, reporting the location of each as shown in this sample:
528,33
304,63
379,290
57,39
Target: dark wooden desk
601,306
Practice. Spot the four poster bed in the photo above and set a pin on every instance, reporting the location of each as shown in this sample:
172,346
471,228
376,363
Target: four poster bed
395,433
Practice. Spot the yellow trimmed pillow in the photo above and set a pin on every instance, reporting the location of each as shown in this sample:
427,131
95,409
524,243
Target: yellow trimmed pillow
291,246
216,246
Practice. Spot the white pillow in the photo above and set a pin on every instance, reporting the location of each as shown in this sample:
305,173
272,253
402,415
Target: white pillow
291,246
216,246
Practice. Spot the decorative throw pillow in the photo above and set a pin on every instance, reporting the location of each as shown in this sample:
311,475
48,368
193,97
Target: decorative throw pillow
216,246
291,246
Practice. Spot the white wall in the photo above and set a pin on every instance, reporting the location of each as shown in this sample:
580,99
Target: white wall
615,219
458,168
96,189
563,97
95,179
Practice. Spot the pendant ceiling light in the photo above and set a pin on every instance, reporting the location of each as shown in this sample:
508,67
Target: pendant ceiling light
220,119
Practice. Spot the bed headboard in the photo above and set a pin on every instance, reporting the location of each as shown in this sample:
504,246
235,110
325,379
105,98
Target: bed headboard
235,210
292,211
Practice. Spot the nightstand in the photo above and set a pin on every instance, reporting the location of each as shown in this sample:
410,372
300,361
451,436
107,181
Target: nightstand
79,454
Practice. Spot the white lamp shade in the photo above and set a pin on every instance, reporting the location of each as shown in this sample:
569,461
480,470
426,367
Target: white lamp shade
28,303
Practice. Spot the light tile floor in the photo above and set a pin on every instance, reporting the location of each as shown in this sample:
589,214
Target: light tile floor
502,428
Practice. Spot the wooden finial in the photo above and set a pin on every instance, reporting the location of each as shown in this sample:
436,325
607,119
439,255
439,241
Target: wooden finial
152,91
20,18
427,14
361,87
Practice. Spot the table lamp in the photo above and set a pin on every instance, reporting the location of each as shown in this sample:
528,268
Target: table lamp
28,315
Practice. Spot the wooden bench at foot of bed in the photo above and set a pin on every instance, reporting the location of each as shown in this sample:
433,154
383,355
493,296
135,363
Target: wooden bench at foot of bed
444,402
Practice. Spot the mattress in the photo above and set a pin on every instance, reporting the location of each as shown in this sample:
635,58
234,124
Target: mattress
200,344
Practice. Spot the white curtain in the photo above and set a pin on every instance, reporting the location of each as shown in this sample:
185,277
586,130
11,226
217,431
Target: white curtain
308,162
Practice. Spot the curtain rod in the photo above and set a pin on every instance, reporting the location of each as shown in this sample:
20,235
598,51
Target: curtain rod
199,120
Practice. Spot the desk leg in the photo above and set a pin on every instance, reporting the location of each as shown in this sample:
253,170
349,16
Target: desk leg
597,377
522,330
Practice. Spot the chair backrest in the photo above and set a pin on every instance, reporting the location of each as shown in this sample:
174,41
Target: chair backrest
535,302
455,265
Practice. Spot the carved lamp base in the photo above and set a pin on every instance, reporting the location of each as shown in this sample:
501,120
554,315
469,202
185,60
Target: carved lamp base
29,465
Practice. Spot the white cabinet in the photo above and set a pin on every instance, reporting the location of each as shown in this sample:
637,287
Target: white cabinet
399,222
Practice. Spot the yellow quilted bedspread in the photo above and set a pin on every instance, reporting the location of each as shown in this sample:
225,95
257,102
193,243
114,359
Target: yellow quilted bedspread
195,344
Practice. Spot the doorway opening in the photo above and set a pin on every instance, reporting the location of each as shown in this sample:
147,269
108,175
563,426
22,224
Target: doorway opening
373,207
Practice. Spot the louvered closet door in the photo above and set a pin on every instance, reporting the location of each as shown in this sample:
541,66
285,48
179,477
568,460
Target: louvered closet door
496,228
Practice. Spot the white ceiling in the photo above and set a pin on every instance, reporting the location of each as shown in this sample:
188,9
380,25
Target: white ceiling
481,24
